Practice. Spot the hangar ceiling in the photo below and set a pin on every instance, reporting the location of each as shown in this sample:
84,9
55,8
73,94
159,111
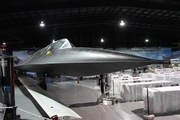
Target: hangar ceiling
85,22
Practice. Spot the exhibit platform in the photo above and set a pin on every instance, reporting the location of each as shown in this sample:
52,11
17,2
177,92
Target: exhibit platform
82,98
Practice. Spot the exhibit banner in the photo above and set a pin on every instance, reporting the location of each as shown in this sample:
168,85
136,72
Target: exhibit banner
175,54
149,52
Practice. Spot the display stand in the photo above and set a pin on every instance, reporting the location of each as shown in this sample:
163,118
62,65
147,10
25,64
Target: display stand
105,98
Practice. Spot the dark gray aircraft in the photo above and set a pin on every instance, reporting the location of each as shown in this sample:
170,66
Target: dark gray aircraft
62,58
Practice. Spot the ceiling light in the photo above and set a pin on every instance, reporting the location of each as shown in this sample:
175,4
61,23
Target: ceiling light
102,40
4,43
122,23
42,24
146,40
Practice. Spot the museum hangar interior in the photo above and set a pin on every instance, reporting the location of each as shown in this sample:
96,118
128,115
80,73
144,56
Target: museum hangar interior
147,28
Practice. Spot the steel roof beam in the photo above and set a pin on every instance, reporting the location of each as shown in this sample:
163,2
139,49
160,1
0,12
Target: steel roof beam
82,4
97,19
12,35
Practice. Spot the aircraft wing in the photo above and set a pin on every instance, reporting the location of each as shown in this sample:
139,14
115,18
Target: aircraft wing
50,106
80,61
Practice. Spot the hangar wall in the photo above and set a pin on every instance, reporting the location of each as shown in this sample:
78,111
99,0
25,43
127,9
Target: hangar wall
153,53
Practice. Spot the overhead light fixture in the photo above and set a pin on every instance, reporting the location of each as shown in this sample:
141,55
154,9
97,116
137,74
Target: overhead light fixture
102,40
146,40
4,43
42,24
53,41
122,23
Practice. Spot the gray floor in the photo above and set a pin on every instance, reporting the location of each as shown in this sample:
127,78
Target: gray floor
82,98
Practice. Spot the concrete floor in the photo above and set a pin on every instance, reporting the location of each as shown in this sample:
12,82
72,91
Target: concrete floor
82,98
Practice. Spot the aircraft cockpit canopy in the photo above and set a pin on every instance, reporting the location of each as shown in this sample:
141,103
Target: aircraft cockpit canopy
63,43
59,44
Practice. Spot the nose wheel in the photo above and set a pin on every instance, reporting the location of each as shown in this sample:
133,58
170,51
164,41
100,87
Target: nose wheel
114,101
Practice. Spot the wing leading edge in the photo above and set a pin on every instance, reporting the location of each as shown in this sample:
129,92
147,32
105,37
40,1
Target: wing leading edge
56,59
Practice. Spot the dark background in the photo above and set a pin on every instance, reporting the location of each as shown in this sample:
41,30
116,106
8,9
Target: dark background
85,22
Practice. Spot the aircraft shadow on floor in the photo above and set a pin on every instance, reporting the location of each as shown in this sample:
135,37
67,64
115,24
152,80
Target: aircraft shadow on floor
139,112
83,104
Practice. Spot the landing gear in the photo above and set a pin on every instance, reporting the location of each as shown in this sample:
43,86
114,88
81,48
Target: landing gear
43,85
42,82
114,101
